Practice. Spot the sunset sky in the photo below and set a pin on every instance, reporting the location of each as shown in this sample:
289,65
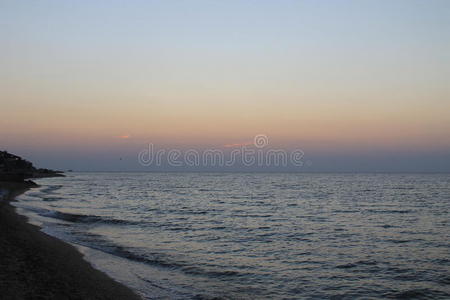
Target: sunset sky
357,85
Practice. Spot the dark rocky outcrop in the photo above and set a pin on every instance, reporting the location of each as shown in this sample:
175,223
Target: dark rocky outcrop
15,168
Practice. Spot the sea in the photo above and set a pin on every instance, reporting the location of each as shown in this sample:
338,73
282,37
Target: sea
255,235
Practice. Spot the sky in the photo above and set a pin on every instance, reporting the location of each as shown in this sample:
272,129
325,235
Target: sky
355,85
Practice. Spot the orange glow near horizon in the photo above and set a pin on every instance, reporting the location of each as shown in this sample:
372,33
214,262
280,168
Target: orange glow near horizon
210,123
379,85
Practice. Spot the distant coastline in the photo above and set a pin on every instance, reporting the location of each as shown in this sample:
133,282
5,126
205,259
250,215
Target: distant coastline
14,168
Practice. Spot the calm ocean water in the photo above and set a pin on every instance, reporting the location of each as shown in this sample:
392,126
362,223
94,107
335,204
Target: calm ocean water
256,236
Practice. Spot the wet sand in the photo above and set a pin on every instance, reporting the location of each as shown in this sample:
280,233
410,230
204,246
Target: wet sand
34,265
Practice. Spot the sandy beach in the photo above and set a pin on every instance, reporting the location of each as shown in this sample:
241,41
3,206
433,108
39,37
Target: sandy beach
34,265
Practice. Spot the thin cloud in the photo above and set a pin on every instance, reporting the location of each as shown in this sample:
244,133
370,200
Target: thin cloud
238,145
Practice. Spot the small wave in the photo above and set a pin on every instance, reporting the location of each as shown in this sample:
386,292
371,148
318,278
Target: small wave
442,261
211,190
403,188
205,297
51,199
210,273
445,280
155,259
218,228
99,243
393,211
123,252
159,260
357,264
88,219
396,241
246,215
417,294
51,188
387,226
196,212
186,211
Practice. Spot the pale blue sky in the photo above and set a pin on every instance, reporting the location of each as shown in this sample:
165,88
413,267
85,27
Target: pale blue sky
347,78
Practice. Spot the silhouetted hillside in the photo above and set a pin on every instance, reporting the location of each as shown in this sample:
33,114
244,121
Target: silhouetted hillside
15,168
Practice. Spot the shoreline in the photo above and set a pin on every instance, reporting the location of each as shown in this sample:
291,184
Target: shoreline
36,265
